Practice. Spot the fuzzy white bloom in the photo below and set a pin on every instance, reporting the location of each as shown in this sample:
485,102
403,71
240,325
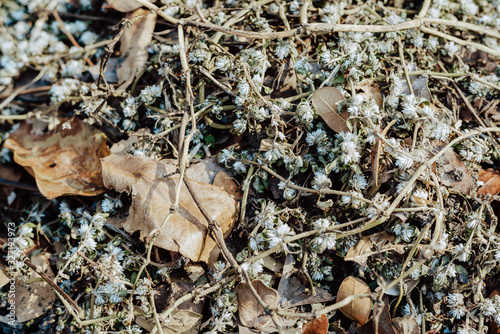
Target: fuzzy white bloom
253,269
410,106
150,93
321,181
474,220
302,66
404,231
107,205
240,125
323,242
403,161
455,302
467,330
432,43
305,112
462,252
349,200
198,55
469,7
282,49
420,197
441,132
321,223
262,25
277,235
451,48
358,182
223,63
88,37
243,88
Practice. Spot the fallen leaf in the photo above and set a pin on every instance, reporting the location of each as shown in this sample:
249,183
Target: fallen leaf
35,298
179,322
153,194
167,294
408,286
124,6
316,326
371,245
449,168
63,161
325,101
224,180
406,325
358,309
420,85
382,318
202,171
453,172
371,89
251,313
360,252
491,180
292,292
134,48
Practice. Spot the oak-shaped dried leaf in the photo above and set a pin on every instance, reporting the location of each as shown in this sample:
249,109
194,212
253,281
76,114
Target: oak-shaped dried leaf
33,299
358,309
153,194
325,101
251,313
124,6
134,48
63,161
316,326
491,182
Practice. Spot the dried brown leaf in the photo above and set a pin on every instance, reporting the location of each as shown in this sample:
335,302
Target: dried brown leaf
153,194
360,252
325,101
134,48
224,180
449,168
251,313
125,6
382,318
63,161
292,292
179,322
453,172
406,325
491,180
34,298
316,326
359,309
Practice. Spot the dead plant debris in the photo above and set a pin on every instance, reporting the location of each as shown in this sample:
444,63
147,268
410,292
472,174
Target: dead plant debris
293,167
